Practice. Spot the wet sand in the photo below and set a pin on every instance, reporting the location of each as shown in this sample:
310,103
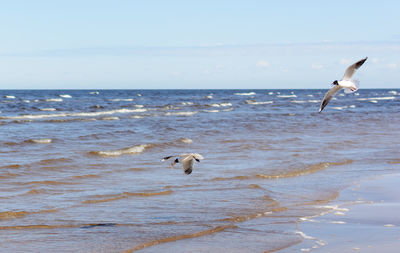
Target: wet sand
365,218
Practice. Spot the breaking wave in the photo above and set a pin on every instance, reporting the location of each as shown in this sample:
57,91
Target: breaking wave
112,197
253,102
245,94
125,151
73,114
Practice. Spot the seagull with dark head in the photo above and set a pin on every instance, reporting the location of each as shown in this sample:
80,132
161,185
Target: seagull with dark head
187,161
346,83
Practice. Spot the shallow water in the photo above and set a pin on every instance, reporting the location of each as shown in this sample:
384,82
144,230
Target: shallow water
80,171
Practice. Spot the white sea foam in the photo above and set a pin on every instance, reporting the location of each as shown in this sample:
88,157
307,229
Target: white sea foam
186,140
392,92
132,150
139,95
26,101
298,101
121,99
139,106
65,96
270,93
41,141
211,110
53,100
337,222
110,118
220,105
314,101
310,95
48,109
253,102
338,107
74,114
287,96
303,235
9,97
180,113
245,94
377,98
389,225
94,93
209,96
186,103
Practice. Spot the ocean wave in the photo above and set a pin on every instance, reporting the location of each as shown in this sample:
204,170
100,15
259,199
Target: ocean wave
9,97
125,151
253,102
393,92
40,141
8,175
54,100
121,99
55,161
113,197
342,107
298,101
219,105
65,96
94,93
19,214
180,237
74,114
186,140
180,113
376,98
211,111
287,96
47,182
110,118
245,94
287,174
48,109
304,171
187,103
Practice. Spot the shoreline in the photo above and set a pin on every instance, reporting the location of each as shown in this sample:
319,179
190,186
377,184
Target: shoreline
364,218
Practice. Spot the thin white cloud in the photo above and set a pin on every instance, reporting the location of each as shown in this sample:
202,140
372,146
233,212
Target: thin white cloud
262,63
317,66
392,65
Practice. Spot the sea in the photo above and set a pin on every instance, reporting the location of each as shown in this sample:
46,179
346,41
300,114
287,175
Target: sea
81,170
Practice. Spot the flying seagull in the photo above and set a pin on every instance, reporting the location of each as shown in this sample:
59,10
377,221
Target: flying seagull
187,161
346,83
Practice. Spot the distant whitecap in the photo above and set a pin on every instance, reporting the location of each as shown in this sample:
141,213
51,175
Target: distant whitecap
287,96
54,100
65,96
245,94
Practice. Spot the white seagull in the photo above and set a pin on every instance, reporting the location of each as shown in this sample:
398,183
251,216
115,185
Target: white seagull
187,161
346,83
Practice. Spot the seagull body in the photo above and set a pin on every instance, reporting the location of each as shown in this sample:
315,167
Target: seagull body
346,83
187,161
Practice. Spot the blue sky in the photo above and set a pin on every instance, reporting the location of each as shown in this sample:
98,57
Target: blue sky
196,44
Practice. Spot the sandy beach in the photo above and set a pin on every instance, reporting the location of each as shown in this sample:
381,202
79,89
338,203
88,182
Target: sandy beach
364,218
